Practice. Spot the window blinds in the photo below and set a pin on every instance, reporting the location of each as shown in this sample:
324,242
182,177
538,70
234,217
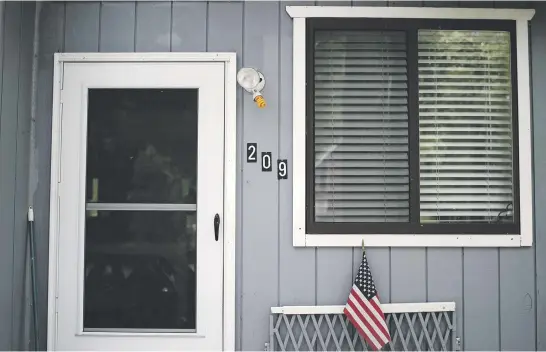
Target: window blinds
465,121
361,127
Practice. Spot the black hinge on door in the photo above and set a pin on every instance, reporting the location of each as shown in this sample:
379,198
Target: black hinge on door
216,226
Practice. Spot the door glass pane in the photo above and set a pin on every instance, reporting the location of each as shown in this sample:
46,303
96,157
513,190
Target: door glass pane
140,259
140,270
142,145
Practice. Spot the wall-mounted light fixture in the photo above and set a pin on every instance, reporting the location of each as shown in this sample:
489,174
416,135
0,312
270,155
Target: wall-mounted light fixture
253,82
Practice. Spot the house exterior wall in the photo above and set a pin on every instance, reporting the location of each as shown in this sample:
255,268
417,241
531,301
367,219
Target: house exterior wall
500,293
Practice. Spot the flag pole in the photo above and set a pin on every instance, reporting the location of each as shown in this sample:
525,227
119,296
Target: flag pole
362,244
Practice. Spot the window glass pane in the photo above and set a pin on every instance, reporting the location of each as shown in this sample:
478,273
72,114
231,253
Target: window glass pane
140,270
465,126
361,127
142,145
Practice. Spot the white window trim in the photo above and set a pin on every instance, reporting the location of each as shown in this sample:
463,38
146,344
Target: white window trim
303,239
230,171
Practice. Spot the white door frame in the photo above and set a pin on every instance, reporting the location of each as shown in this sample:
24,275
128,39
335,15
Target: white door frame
229,225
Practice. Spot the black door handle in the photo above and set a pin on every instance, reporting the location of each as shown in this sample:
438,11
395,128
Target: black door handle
216,226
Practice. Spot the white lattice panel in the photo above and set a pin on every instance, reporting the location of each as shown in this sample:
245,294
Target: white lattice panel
413,327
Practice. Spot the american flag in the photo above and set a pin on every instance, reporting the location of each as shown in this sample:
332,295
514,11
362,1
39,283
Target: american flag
364,309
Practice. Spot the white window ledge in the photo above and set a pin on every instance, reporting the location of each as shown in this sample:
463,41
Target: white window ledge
411,240
303,239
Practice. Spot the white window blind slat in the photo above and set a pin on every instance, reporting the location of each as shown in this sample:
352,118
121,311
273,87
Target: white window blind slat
461,114
360,62
490,84
342,85
475,122
361,172
384,164
365,156
362,124
382,116
330,140
362,148
359,101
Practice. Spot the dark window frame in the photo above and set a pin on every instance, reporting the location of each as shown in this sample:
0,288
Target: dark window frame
411,27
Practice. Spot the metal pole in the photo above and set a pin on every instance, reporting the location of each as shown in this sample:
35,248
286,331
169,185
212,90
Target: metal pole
32,243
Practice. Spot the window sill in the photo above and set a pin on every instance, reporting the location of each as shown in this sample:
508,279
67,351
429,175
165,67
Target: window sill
409,240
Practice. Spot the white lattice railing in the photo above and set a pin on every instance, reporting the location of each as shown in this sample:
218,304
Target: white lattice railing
413,327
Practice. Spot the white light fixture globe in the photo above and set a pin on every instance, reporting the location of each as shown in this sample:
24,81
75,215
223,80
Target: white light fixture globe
250,79
253,82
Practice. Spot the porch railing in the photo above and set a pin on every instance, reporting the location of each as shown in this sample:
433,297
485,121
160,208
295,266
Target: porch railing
412,326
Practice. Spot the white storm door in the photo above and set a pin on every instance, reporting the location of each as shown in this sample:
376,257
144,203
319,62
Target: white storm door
140,263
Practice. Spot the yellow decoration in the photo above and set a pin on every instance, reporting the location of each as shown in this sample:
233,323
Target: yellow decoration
260,101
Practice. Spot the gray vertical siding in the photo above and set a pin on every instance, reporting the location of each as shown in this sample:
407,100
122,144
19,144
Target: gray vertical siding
297,282
189,27
16,39
538,35
117,27
8,147
20,302
481,298
153,26
8,156
500,293
260,196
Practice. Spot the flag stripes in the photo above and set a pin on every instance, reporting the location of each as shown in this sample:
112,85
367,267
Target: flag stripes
377,317
361,327
373,330
365,317
375,303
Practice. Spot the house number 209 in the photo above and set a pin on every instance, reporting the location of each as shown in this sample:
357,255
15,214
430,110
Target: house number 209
267,161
